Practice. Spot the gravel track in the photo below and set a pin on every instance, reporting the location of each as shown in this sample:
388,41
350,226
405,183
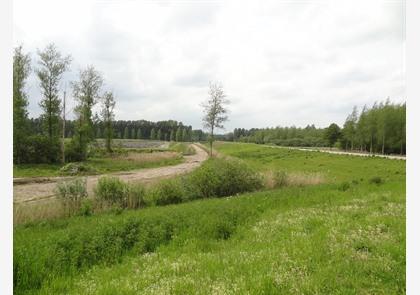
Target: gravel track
25,190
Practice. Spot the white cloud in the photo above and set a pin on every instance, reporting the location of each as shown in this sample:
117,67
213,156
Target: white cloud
281,62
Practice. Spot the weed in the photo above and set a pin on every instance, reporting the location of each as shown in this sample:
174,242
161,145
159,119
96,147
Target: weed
376,180
112,191
71,194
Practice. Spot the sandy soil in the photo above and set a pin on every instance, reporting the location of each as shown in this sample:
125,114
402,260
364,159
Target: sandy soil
24,191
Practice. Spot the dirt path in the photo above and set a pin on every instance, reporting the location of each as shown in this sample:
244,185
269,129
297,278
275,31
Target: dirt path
393,157
27,192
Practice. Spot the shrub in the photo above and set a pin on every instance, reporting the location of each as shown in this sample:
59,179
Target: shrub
224,177
39,149
71,194
376,180
136,196
77,169
112,191
86,208
170,191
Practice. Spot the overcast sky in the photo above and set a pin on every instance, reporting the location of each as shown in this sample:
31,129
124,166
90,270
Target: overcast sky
281,62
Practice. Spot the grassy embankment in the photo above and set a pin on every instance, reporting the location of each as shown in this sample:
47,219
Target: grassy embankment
345,235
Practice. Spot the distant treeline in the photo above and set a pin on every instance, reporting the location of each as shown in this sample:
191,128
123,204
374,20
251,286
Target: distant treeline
169,130
379,129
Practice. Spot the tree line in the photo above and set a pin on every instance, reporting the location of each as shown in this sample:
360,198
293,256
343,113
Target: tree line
169,130
378,129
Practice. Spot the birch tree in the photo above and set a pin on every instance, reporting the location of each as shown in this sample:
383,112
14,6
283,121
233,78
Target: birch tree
215,112
107,113
52,66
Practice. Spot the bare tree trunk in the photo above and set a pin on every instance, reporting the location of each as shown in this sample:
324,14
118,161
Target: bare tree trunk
211,142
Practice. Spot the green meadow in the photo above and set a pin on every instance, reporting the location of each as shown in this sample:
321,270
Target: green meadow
335,225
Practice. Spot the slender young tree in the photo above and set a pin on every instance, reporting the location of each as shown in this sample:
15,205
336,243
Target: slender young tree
153,134
107,113
349,128
178,135
87,92
172,135
139,135
21,70
214,110
126,133
159,135
52,66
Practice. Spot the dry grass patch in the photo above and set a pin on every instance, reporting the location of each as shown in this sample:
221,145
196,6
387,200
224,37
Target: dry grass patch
277,178
35,211
148,157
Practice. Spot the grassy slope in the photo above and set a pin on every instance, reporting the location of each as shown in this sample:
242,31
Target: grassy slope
309,240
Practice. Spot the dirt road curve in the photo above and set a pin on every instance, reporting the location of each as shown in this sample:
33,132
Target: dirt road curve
28,192
345,153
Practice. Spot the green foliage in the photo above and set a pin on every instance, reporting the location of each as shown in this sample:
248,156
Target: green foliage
178,136
165,192
136,197
21,71
71,194
52,66
86,209
344,186
184,149
223,245
87,92
224,177
117,193
107,113
153,134
376,180
112,191
332,134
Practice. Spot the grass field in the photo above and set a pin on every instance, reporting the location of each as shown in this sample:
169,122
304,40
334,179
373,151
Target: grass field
130,160
345,235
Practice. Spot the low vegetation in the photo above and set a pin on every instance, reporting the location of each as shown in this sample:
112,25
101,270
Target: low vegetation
342,233
183,148
101,162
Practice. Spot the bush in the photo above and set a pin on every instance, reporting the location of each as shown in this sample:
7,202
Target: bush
71,194
136,197
376,180
77,169
224,177
39,149
86,208
170,191
112,191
